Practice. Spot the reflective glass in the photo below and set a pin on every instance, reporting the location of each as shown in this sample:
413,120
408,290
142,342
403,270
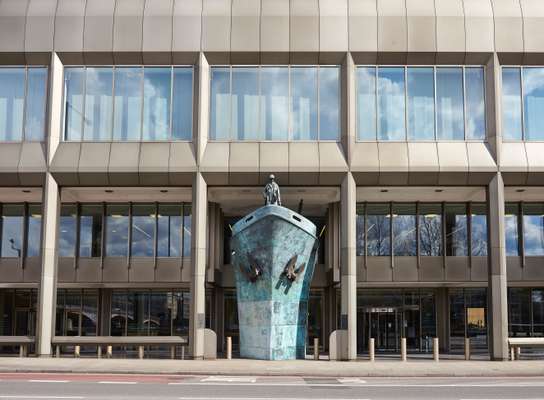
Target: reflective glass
169,234
98,104
533,103
89,313
329,103
478,227
511,104
404,230
476,312
275,103
138,314
67,231
159,314
220,104
117,230
74,81
118,315
533,229
157,87
475,103
182,106
519,312
245,103
457,318
12,230
360,230
128,104
537,296
36,94
90,231
180,313
420,117
449,103
378,229
12,95
430,229
34,229
72,309
456,230
143,230
511,229
187,223
391,105
366,103
304,103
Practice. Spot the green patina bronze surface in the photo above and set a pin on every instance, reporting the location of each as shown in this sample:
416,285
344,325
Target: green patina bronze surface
274,251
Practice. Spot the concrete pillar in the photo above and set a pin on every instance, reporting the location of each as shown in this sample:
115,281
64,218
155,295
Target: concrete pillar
197,322
442,318
497,280
348,267
51,211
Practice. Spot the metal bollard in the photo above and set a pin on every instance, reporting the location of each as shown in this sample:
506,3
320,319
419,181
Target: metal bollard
512,354
183,352
77,351
109,352
173,352
316,348
22,350
403,349
371,354
99,351
57,351
467,348
229,348
140,352
518,353
436,349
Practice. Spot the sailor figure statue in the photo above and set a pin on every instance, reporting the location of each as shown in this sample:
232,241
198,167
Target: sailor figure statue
271,192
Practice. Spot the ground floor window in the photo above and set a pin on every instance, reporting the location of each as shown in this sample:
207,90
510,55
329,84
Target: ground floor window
17,315
77,312
468,318
526,312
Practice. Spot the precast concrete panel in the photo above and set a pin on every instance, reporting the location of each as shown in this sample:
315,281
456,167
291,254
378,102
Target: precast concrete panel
303,163
332,163
187,26
333,25
393,163
514,165
157,31
245,26
153,165
365,163
216,25
453,161
98,28
124,163
392,29
32,165
10,154
182,163
423,163
40,25
479,27
215,163
535,163
363,26
508,26
450,31
421,29
244,164
65,163
12,25
69,23
304,26
128,30
533,28
93,163
274,159
274,33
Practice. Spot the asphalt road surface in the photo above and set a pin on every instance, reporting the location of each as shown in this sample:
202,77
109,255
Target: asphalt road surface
179,387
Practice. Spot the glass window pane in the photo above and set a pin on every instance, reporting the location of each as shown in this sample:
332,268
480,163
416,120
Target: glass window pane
160,314
478,227
391,107
533,103
117,230
128,104
6,312
304,103
12,94
187,230
72,309
74,79
430,229
533,229
511,229
456,230
449,103
378,229
366,103
180,313
182,107
67,231
90,231
420,103
329,103
360,230
35,104
118,318
538,309
404,230
157,86
143,230
169,235
98,104
275,103
89,313
12,230
245,103
511,104
220,104
475,98
34,230
138,314
519,312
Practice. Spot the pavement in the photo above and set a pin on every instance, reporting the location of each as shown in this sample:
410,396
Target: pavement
296,368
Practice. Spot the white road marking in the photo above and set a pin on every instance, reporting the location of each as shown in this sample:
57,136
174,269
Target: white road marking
230,379
351,380
47,381
117,383
258,398
41,397
386,385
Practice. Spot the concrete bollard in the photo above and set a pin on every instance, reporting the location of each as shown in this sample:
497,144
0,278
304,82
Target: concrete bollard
77,351
316,348
403,349
57,351
109,352
229,348
183,352
467,348
371,354
518,353
99,351
173,352
22,350
141,352
436,349
512,354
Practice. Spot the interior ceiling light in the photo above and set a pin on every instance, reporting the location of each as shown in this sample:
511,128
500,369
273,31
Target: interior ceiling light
438,190
384,190
26,190
164,191
520,190
108,191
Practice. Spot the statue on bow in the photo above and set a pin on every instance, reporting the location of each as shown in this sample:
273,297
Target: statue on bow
271,192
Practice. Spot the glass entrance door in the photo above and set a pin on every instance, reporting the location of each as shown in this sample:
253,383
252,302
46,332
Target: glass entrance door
384,326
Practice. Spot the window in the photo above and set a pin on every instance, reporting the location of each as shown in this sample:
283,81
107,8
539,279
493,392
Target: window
187,229
67,231
360,230
456,230
478,229
430,229
34,230
275,103
378,229
128,103
23,93
170,231
533,229
404,230
117,226
511,222
511,104
143,230
77,312
533,103
420,103
18,312
90,231
12,230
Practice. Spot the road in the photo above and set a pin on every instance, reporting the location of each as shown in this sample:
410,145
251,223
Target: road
26,386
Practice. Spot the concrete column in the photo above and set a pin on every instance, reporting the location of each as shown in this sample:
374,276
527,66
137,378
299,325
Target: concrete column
348,266
197,322
51,211
497,280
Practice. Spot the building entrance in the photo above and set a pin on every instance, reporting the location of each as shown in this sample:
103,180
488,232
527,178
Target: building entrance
383,325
